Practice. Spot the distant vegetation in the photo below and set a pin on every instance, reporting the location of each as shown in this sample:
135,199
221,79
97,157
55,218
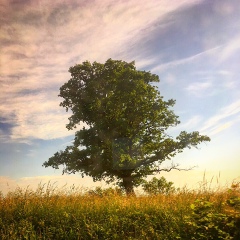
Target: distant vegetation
48,213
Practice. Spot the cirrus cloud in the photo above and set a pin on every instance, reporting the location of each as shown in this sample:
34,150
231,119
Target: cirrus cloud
40,40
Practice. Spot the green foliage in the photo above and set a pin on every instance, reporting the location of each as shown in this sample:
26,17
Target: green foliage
234,202
216,219
51,214
206,223
158,186
234,199
127,119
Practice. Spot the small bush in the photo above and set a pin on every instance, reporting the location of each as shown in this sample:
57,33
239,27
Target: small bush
158,186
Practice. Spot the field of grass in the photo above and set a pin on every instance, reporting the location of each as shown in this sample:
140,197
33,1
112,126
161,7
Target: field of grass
48,213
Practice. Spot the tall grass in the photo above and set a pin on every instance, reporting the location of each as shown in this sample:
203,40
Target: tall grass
49,213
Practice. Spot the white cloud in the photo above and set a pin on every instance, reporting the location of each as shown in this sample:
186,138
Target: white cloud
141,63
217,55
230,49
43,39
224,78
221,127
35,116
221,121
199,88
188,60
192,122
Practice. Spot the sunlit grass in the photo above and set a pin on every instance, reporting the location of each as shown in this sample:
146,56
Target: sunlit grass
72,213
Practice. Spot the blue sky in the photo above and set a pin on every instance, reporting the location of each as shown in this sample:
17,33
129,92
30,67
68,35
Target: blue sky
194,47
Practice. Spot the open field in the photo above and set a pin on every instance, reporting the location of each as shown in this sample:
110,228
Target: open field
48,213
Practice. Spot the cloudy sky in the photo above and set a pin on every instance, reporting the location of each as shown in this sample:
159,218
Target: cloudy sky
193,45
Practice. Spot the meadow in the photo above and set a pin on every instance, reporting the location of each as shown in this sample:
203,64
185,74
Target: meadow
50,213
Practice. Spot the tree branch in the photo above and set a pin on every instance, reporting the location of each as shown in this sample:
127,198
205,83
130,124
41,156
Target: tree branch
172,167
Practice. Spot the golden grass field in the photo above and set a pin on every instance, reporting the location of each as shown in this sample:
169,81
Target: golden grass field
50,213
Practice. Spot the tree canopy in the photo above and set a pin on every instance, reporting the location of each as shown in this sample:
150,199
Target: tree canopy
127,120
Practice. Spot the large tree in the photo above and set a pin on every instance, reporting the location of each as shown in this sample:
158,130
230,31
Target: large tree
126,117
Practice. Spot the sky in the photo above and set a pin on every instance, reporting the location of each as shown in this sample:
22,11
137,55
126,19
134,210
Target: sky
192,45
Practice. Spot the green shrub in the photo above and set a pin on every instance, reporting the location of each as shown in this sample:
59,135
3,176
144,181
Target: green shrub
206,223
158,186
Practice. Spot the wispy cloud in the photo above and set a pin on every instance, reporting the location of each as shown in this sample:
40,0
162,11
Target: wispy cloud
40,40
221,121
230,49
185,35
199,88
220,79
35,116
192,122
189,60
221,127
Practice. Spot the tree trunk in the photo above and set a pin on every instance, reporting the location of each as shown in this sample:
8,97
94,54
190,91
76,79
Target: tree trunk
128,185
